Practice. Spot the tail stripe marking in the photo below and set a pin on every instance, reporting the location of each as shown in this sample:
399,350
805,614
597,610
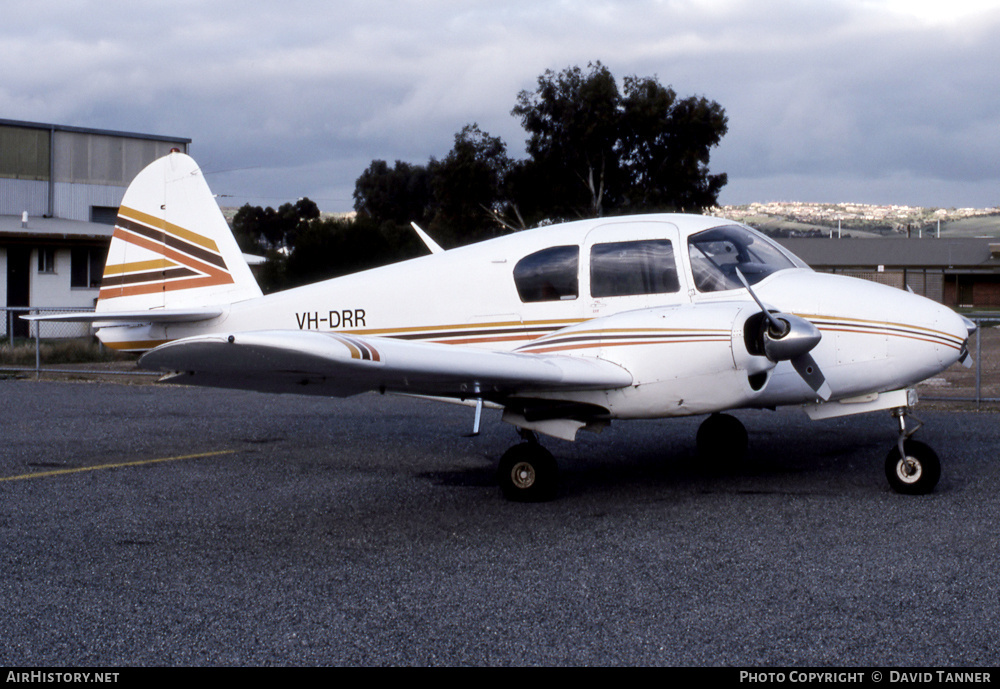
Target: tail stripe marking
157,276
172,241
188,260
160,263
160,224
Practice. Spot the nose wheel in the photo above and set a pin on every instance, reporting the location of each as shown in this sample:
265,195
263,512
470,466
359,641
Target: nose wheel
912,468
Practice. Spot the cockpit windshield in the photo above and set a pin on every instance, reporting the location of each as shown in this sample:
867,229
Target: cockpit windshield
717,253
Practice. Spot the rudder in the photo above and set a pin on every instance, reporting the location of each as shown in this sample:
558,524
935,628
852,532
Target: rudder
172,247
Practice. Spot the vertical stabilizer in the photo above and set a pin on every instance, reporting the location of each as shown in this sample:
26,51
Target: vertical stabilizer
172,247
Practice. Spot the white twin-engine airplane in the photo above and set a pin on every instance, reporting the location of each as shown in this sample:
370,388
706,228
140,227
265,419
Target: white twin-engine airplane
563,327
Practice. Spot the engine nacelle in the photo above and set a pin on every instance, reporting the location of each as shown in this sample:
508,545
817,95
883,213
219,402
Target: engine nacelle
684,359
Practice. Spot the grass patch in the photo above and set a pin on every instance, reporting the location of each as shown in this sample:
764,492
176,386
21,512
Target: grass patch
78,350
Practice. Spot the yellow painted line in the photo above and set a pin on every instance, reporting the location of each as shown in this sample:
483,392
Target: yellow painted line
136,463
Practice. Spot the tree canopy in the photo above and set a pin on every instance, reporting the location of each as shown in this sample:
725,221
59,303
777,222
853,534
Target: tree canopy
467,187
592,150
401,194
574,124
606,152
259,230
665,144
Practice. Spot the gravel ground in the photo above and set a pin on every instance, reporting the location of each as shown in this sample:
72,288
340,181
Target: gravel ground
369,531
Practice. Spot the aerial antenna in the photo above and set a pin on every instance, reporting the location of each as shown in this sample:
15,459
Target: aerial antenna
425,238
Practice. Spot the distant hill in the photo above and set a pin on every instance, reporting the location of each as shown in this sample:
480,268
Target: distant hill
985,226
861,220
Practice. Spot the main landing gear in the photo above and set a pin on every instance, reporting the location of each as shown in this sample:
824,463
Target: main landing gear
723,438
911,467
528,472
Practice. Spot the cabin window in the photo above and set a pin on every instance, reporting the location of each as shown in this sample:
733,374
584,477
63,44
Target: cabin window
548,275
619,269
717,253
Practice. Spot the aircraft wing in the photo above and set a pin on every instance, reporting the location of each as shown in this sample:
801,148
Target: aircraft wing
339,365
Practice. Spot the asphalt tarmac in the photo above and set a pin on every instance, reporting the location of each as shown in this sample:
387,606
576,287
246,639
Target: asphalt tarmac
369,531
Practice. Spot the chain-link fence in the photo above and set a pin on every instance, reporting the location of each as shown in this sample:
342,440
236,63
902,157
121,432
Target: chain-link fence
56,346
980,383
16,328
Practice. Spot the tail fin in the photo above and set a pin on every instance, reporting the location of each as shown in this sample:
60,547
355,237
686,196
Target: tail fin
172,248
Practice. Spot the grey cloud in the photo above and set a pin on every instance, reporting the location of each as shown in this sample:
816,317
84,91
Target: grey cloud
832,98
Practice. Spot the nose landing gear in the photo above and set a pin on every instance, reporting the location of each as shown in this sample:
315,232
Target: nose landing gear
912,468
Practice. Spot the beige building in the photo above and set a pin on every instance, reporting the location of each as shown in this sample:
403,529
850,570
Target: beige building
60,188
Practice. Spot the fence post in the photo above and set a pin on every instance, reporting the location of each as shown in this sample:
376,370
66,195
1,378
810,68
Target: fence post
979,364
38,355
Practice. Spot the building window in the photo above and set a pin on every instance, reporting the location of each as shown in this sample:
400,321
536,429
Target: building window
104,215
87,267
46,260
24,152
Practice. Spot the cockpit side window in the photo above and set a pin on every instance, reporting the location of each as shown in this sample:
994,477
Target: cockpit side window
717,253
619,269
548,275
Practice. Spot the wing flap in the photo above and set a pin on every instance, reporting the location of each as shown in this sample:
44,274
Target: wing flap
337,364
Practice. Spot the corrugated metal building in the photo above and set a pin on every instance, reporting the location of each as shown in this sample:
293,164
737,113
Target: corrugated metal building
69,182
961,272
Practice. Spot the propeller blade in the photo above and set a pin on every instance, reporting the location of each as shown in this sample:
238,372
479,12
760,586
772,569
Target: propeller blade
814,378
964,357
778,326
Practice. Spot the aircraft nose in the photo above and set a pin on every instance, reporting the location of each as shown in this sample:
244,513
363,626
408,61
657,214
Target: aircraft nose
953,332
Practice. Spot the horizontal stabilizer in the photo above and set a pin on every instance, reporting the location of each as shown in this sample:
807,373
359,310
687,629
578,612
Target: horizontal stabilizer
153,316
339,365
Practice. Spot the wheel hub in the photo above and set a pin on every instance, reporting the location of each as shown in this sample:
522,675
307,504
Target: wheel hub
522,475
909,470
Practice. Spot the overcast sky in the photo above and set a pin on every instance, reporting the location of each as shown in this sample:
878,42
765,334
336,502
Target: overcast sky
875,101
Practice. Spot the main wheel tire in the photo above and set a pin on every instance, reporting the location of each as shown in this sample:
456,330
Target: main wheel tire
528,473
918,473
722,437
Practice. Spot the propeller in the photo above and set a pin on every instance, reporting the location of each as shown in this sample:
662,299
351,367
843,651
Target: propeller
791,338
963,357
